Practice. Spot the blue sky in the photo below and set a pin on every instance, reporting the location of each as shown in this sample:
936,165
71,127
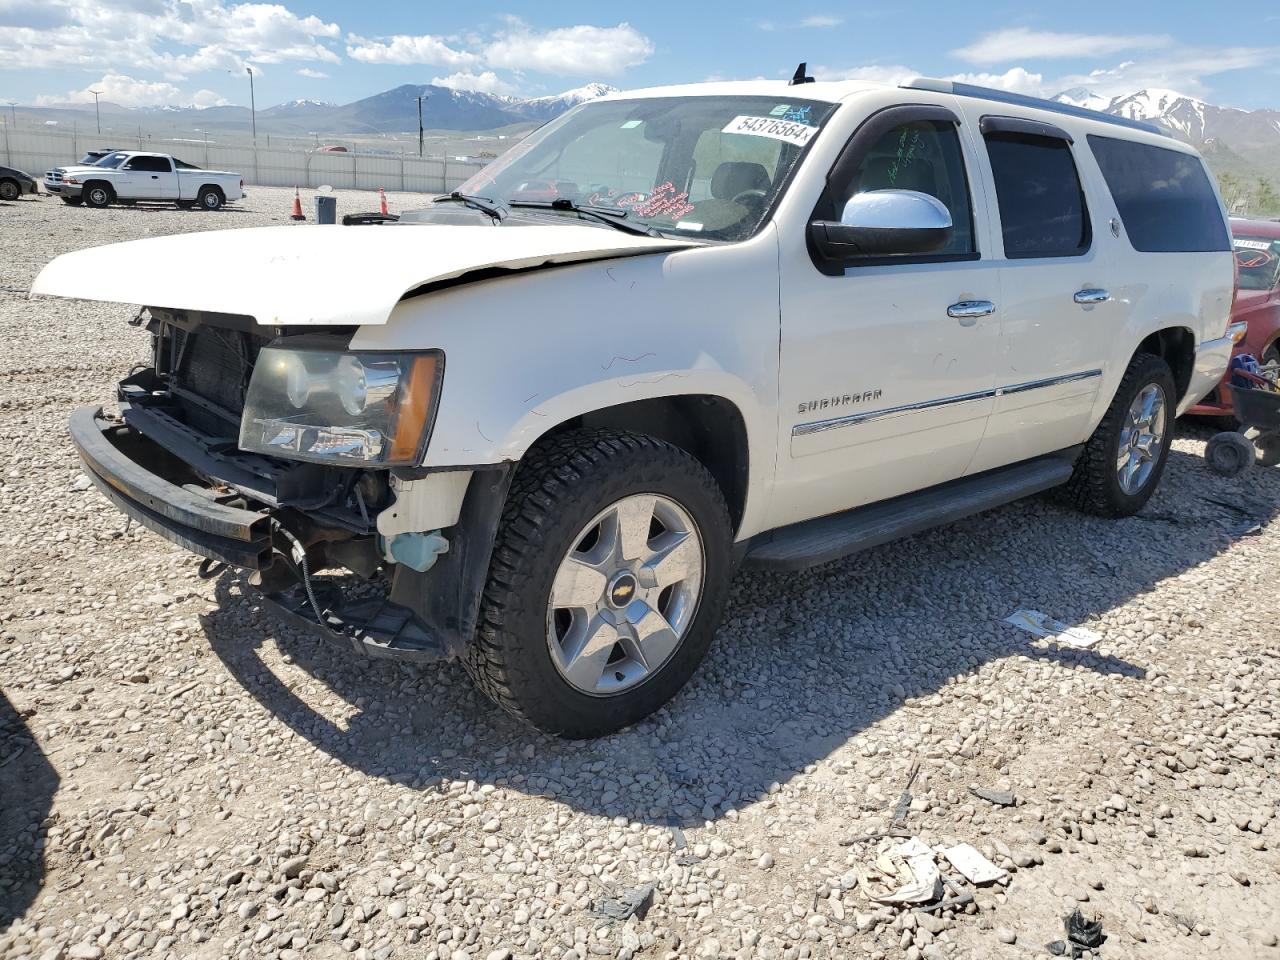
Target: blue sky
158,52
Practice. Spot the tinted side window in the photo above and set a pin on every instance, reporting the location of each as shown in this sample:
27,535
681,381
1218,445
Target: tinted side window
149,164
1042,207
1164,197
926,157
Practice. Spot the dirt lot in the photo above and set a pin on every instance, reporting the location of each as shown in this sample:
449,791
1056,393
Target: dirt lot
181,777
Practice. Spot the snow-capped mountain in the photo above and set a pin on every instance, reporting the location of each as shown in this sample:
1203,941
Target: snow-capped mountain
544,108
1187,118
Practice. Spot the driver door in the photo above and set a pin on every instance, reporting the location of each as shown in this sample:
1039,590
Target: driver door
886,363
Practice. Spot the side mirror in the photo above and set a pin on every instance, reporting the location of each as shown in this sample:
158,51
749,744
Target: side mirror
884,223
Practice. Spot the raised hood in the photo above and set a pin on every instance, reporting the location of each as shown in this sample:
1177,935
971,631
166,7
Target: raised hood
318,275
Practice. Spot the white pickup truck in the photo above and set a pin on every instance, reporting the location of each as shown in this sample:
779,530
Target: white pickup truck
671,332
127,176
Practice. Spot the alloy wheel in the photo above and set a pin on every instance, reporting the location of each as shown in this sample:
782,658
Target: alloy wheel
625,594
1142,439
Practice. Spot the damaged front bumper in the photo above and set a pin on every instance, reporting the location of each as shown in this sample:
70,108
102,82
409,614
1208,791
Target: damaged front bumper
423,616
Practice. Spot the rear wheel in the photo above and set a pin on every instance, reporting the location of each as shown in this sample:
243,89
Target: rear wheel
606,584
97,195
209,198
1122,462
10,190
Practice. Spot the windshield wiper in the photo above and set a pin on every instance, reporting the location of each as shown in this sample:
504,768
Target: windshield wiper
483,204
603,215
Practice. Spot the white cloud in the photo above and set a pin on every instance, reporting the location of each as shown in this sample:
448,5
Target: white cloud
578,51
403,48
173,37
208,98
1021,43
126,91
312,74
817,20
1014,80
486,82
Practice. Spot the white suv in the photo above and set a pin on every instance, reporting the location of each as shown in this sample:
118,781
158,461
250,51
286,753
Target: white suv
537,425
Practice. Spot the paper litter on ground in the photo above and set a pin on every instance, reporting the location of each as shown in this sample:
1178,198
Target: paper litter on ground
906,874
975,868
1043,625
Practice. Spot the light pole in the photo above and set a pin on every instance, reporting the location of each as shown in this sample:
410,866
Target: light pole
96,115
420,99
253,107
13,107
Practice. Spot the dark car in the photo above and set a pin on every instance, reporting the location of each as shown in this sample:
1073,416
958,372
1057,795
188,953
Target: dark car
1257,249
14,183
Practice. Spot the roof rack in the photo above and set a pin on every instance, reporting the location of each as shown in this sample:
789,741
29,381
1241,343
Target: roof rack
1022,100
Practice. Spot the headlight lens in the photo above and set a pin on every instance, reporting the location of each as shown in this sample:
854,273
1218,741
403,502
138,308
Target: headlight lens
309,401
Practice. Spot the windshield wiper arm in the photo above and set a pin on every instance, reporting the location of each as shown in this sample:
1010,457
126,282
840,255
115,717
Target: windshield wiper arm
483,204
612,219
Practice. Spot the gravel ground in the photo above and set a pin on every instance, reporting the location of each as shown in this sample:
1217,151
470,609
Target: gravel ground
181,777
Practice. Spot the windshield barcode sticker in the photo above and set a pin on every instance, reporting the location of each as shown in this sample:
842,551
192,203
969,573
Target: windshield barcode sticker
797,133
1253,244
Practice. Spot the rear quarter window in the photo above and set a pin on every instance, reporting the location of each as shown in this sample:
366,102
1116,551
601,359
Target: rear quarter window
1164,197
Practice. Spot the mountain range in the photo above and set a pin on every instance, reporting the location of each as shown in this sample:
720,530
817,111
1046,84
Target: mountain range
392,111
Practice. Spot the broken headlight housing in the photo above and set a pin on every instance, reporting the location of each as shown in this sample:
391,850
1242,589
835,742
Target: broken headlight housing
310,401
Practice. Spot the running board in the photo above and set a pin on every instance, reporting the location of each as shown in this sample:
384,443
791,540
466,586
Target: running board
824,539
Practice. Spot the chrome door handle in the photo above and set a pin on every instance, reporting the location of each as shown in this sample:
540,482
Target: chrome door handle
1091,295
968,311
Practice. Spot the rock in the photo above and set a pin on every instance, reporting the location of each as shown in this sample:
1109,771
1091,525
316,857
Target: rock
292,867
85,951
1005,935
765,862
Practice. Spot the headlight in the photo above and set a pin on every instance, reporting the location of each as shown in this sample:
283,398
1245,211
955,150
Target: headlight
309,401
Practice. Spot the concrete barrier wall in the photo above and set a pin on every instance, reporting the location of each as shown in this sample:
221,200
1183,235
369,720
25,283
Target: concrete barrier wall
35,151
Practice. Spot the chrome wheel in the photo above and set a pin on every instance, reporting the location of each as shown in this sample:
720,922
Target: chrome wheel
1141,439
625,594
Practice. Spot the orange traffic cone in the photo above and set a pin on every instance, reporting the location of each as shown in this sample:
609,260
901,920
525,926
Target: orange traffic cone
382,201
297,207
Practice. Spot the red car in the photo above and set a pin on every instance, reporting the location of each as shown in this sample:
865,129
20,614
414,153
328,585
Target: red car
1257,247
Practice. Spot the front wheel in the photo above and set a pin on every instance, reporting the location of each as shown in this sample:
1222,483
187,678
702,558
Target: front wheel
1122,462
98,195
606,584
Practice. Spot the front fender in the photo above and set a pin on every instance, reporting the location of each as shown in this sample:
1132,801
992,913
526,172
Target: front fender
526,353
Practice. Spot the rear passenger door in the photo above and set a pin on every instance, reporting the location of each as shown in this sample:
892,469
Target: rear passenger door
1057,316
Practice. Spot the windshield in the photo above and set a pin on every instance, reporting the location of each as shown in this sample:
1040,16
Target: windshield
112,160
1259,261
707,167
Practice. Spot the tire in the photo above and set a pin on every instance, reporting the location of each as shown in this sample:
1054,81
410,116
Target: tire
1095,485
560,490
73,201
1229,454
210,198
97,195
10,190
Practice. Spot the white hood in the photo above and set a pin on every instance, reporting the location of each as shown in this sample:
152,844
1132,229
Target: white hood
317,275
